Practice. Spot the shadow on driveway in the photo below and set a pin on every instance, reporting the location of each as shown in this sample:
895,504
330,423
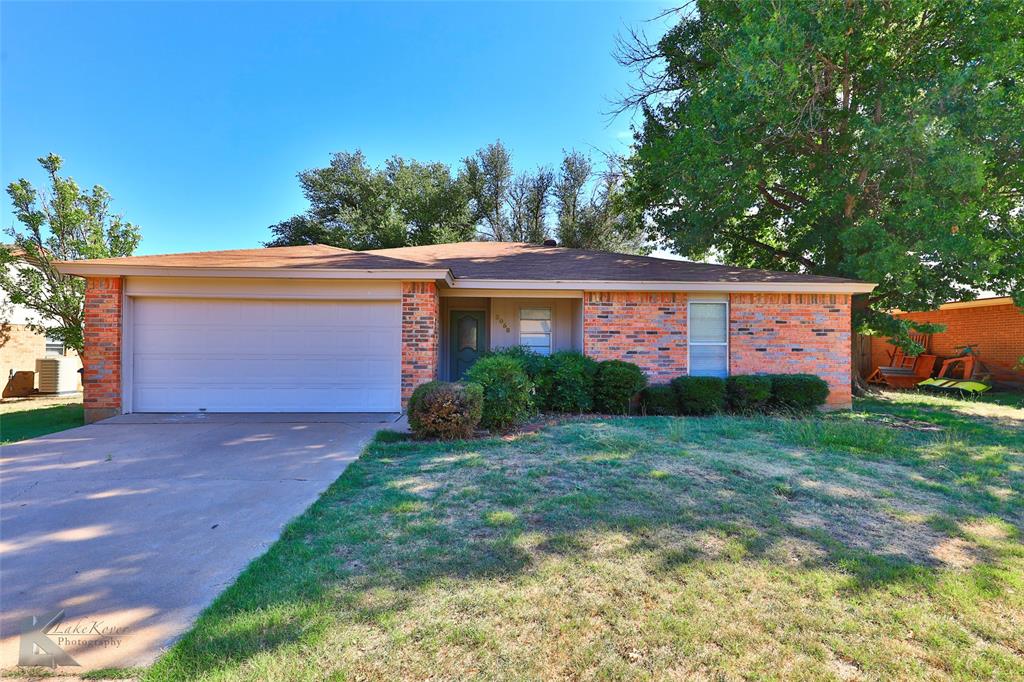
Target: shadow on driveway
140,521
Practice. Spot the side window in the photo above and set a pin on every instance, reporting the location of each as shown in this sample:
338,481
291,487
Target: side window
54,347
708,325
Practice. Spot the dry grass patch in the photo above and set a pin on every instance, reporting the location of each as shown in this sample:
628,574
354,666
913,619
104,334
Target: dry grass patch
651,548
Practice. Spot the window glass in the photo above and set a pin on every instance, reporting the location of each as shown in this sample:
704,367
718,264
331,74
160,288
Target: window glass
709,339
54,347
708,361
535,329
535,314
707,323
467,333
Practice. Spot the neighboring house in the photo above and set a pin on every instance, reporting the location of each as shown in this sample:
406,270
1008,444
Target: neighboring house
20,347
993,327
316,328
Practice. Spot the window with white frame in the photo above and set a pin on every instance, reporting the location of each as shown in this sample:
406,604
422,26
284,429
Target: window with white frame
535,329
54,347
708,324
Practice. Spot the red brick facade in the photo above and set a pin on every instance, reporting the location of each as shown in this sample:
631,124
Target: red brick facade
995,331
101,381
790,334
420,334
645,328
784,333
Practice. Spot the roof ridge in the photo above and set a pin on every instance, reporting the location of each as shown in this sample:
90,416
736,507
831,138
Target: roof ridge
224,251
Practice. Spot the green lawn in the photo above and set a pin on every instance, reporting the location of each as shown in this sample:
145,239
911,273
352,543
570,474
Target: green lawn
19,421
883,543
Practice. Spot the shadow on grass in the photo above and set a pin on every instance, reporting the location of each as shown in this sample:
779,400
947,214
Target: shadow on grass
408,515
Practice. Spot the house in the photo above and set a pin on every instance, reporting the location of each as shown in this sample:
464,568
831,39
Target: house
992,326
317,328
20,347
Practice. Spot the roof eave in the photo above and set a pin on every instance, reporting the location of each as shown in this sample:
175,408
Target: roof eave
653,285
87,269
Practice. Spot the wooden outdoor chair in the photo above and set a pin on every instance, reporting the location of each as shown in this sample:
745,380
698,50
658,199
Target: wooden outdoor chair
898,360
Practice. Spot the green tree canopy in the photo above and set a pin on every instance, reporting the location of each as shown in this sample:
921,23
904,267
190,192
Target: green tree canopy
355,206
593,212
66,223
408,203
875,140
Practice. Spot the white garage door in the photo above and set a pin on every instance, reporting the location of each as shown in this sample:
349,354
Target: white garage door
223,355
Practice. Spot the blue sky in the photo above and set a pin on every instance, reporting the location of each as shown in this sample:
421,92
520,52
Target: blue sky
196,116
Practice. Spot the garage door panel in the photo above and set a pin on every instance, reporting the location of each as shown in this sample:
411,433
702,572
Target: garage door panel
231,355
264,340
256,399
261,371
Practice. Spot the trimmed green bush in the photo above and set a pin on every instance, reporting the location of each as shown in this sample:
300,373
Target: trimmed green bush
699,395
532,362
566,382
438,409
798,391
748,392
508,391
616,384
659,400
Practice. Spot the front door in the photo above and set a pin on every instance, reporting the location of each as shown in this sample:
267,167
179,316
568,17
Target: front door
468,340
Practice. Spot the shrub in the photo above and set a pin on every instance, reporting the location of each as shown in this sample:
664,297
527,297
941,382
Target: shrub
616,384
699,395
566,382
438,409
659,400
531,362
748,393
508,391
798,391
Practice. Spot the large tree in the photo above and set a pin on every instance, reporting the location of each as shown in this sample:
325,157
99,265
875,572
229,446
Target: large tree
876,140
528,199
592,210
407,203
355,206
488,174
65,223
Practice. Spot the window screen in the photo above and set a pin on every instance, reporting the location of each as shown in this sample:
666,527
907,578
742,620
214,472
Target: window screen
535,329
709,339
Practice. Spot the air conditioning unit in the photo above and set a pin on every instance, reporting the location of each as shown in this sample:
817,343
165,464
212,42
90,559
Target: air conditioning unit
57,375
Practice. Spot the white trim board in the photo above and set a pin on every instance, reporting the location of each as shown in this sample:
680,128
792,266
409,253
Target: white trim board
646,285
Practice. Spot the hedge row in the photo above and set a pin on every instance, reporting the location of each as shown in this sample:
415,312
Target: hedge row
743,394
515,383
504,388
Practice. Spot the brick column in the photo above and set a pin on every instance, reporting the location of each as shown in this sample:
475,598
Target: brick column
420,335
645,328
101,380
793,334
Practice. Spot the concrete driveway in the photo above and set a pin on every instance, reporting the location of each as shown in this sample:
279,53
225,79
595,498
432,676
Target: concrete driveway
138,522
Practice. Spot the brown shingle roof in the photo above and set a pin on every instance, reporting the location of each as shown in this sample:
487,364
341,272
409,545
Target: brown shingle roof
304,257
514,260
469,260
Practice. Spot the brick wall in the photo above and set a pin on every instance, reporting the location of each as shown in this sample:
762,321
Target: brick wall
101,382
995,331
645,328
790,334
420,333
19,348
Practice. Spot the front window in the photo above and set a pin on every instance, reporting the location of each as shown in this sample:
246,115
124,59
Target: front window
54,347
535,329
709,339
